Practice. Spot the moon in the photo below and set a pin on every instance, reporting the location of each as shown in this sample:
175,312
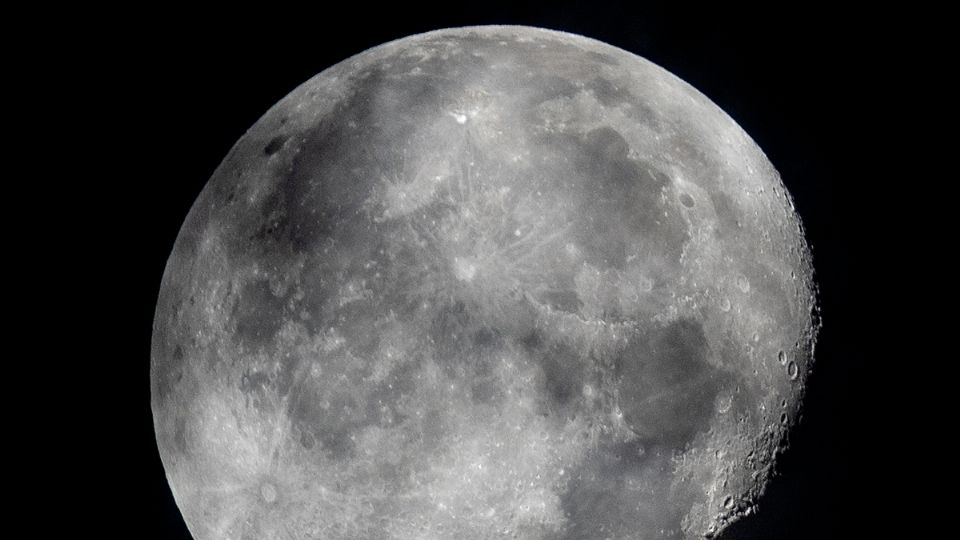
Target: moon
484,282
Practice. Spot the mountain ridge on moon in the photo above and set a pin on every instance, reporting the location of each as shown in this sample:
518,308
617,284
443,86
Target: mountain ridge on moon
479,283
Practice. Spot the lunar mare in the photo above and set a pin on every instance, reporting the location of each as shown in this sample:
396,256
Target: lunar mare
490,282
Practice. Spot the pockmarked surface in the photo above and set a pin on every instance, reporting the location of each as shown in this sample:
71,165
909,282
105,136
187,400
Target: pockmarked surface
491,282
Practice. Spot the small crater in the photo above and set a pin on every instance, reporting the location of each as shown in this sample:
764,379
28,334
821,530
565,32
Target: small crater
728,502
268,492
743,284
686,200
724,403
724,304
782,357
464,269
792,370
307,440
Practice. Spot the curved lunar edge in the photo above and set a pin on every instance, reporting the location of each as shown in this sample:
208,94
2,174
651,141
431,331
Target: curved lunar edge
489,282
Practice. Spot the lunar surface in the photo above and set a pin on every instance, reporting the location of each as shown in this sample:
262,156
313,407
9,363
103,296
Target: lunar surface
490,282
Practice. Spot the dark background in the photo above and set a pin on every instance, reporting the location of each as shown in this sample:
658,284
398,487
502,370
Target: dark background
169,92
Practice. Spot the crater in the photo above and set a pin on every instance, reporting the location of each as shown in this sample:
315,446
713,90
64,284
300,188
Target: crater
268,492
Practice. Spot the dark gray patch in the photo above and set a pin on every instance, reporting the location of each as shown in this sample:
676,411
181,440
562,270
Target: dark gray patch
433,430
405,379
338,444
180,434
289,364
318,302
532,341
667,386
603,58
325,189
380,407
486,390
620,198
258,314
451,331
563,373
275,145
562,300
628,454
320,194
654,177
551,87
358,327
396,478
486,337
533,88
329,420
647,217
168,372
728,215
608,94
307,440
599,503
603,241
251,382
605,146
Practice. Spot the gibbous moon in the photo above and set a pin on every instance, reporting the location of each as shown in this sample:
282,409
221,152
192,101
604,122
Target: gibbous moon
488,282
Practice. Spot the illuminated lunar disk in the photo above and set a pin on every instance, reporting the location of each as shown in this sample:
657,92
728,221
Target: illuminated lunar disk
490,282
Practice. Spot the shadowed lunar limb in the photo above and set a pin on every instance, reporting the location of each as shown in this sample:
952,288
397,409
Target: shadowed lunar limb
492,282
